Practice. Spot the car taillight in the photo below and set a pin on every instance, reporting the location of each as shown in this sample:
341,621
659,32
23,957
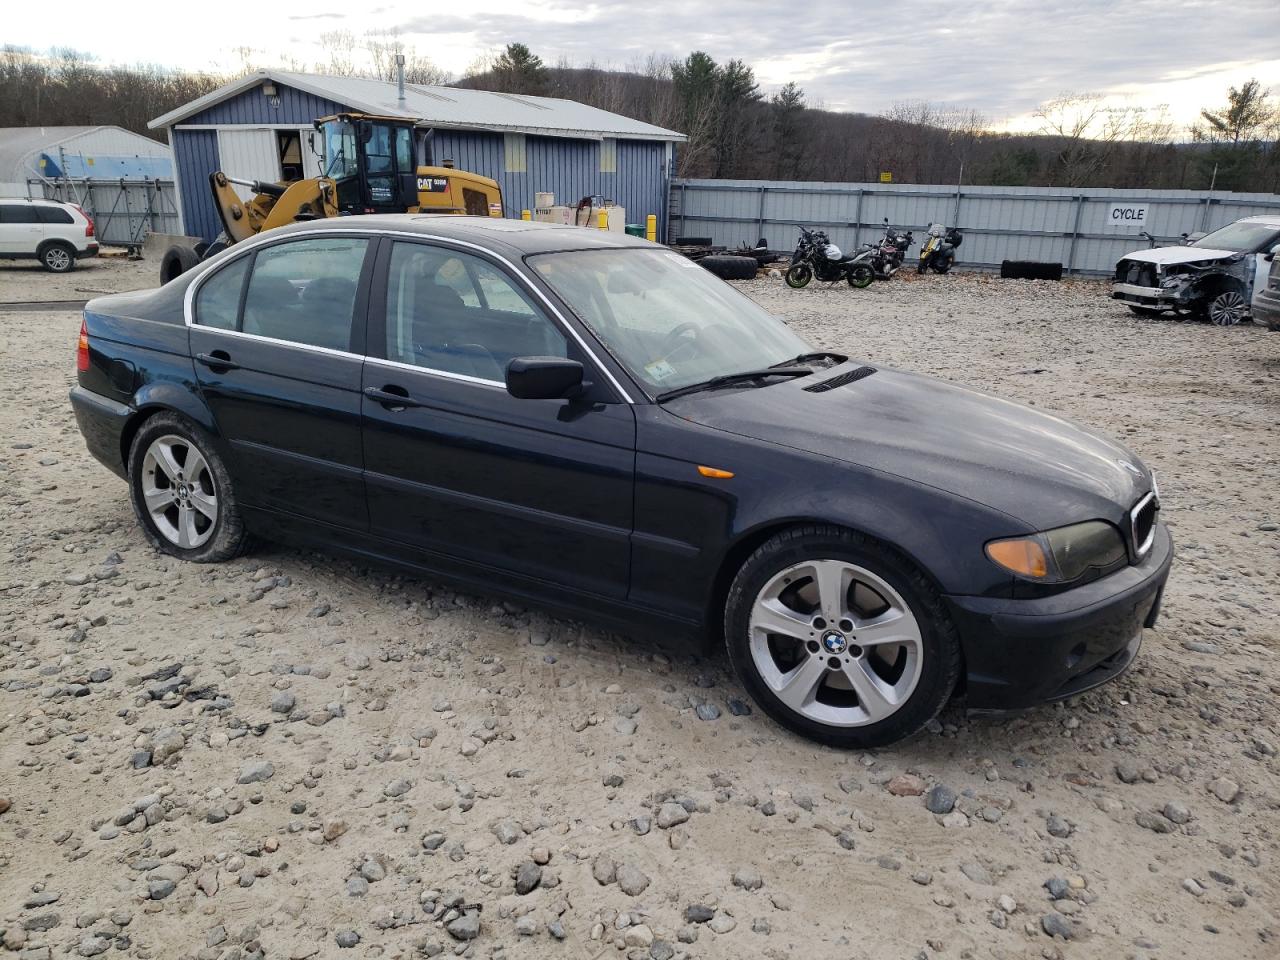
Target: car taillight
82,349
88,227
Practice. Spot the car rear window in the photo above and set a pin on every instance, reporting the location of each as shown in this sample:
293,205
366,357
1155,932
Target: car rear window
218,302
54,215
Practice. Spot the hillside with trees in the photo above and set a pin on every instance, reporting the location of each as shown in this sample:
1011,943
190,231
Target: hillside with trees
735,130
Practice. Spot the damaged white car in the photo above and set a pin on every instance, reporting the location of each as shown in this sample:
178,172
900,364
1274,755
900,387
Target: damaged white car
1214,278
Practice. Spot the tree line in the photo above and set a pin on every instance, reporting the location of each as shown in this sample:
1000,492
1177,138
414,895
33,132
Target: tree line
735,130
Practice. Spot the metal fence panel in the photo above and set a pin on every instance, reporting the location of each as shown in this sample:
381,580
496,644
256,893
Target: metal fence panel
1056,224
123,211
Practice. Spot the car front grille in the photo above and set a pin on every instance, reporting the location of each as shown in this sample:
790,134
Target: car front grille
1137,273
1142,524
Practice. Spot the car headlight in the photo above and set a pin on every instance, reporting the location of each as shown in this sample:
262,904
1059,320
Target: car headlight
1061,555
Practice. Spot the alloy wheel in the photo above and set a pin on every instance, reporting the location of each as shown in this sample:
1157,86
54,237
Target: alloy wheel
1227,308
57,259
179,492
836,643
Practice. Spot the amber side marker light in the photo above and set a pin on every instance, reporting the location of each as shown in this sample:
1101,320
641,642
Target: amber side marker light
715,473
1025,557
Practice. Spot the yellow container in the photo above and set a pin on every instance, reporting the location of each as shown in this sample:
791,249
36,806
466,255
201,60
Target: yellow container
602,219
526,215
651,228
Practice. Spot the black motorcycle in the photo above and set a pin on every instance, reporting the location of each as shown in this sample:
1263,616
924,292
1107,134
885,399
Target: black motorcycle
816,256
939,252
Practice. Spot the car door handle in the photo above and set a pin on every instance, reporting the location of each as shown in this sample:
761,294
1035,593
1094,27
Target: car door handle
219,359
392,397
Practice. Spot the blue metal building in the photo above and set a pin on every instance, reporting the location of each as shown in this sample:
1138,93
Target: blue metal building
257,126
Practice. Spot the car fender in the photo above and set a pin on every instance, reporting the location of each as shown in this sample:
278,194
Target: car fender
157,396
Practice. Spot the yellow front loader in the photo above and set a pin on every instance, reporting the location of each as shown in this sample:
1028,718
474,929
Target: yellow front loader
369,165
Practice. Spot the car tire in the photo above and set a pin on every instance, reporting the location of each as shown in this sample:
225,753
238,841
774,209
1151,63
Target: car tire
818,679
731,268
1226,306
177,260
199,520
58,257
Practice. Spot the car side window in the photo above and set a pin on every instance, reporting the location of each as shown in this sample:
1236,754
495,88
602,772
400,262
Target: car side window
18,213
54,215
304,291
457,313
218,302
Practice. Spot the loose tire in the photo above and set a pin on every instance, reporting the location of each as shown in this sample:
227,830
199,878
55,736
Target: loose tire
861,277
731,268
177,260
798,275
181,491
58,257
839,639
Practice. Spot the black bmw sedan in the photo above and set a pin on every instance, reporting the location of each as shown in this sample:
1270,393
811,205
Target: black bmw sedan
596,424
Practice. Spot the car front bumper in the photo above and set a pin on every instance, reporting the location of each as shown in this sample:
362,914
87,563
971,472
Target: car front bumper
1156,298
102,421
1020,653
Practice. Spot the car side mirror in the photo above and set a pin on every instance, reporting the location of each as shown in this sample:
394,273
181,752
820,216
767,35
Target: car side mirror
545,378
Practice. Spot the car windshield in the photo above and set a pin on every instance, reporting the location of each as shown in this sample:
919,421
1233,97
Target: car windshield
670,322
1241,236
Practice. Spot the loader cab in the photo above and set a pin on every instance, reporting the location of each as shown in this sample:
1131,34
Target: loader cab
372,160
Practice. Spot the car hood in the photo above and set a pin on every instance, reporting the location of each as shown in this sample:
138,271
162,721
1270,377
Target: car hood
1039,468
1166,255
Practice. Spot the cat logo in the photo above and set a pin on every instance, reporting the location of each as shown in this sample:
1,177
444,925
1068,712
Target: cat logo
433,184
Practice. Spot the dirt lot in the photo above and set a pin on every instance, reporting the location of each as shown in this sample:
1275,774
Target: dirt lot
28,280
293,756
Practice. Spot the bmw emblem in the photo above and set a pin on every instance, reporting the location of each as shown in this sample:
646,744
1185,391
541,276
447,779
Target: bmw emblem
834,642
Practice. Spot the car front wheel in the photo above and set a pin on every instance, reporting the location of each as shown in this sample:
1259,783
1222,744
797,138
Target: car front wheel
181,491
839,638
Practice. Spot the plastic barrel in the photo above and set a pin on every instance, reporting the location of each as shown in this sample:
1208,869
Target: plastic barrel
635,229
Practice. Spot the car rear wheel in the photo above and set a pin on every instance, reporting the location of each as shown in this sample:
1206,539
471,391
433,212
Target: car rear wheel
840,639
58,258
181,491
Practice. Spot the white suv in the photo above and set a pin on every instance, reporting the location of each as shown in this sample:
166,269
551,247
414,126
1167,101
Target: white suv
56,234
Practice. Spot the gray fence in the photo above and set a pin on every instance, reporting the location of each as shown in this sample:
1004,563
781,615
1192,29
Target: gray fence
123,211
1058,225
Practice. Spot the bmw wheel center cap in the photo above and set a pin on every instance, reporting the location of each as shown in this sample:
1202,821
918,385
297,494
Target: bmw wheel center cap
833,642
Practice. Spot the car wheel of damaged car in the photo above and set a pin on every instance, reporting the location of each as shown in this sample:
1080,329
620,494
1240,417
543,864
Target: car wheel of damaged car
181,491
840,639
1227,307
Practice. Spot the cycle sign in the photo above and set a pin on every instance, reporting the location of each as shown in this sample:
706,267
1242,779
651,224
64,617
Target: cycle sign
1126,215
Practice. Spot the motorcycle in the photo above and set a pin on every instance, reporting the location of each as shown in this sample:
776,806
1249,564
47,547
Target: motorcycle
938,253
816,256
886,255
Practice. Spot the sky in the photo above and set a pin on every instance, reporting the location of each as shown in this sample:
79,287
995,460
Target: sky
999,57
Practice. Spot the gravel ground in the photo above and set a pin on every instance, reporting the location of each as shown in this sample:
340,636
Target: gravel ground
294,756
28,280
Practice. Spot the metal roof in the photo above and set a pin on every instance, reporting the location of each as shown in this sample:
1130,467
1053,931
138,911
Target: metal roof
444,107
20,146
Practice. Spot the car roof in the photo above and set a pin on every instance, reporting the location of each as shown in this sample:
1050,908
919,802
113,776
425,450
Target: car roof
521,236
1270,221
52,203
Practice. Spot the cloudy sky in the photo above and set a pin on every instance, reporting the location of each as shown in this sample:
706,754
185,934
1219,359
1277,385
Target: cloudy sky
1000,57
